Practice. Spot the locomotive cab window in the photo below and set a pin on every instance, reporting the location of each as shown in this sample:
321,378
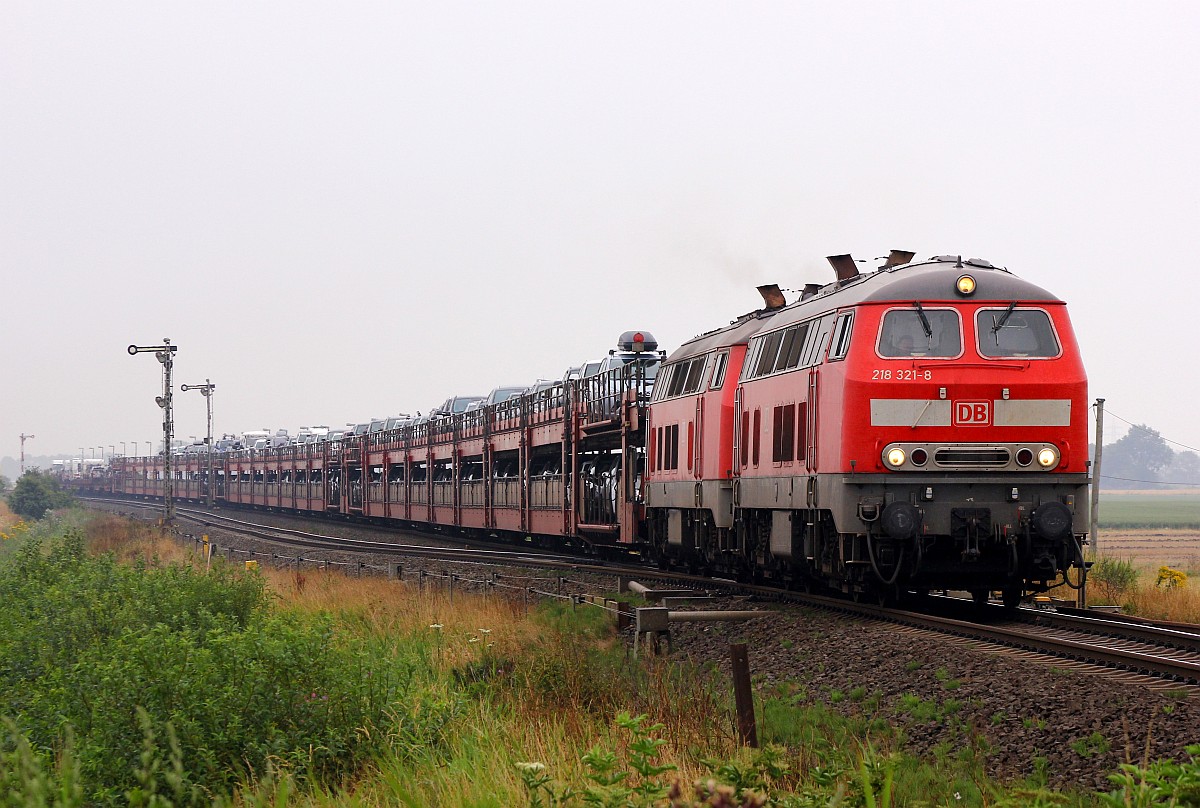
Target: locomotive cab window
918,332
1013,332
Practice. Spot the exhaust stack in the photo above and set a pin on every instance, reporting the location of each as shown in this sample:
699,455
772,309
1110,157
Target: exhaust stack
772,297
844,266
897,258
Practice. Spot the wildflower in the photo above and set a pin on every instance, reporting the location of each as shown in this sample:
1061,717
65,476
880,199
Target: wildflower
473,639
531,767
436,626
1170,578
485,631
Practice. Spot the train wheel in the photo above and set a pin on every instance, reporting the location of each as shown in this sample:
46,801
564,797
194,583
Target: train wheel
1012,596
981,597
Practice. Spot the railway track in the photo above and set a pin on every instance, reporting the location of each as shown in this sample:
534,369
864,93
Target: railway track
1149,654
1170,656
320,541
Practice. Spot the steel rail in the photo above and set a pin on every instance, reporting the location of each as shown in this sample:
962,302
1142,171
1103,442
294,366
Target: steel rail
1103,625
1183,636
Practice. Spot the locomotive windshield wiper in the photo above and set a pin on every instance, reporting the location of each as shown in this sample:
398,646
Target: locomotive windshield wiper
998,324
924,319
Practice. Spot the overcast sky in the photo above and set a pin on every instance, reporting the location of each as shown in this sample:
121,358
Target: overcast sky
341,211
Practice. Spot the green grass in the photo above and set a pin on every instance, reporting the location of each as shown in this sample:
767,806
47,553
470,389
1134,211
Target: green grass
136,656
1142,511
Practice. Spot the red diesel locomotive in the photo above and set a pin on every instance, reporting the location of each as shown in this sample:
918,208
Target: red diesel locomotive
917,427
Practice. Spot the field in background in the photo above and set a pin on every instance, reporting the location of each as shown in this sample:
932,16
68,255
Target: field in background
1151,549
1140,532
1150,509
1151,529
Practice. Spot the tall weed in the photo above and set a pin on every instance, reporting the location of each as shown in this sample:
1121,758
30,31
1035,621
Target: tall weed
1113,578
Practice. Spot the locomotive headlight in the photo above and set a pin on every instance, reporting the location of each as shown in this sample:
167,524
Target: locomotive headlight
965,285
1048,457
895,457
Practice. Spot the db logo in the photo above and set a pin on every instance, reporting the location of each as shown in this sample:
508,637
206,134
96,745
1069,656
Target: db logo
972,413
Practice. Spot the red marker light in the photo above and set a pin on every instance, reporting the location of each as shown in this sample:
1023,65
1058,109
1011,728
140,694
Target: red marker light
639,337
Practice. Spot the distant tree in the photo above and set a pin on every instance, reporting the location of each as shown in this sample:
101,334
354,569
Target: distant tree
1184,468
35,493
1138,459
5,484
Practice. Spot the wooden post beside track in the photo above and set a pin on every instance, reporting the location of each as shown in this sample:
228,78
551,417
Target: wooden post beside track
743,696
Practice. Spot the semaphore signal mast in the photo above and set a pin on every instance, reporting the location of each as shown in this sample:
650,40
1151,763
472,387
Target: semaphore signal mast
24,438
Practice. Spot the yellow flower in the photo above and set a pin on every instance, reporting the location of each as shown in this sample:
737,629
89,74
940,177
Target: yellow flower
1170,579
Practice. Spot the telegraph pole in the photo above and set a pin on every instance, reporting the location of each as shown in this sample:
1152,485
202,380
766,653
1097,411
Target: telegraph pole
164,354
1096,478
207,390
24,438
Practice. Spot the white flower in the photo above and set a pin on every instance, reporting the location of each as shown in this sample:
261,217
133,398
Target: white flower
531,767
436,626
473,639
485,631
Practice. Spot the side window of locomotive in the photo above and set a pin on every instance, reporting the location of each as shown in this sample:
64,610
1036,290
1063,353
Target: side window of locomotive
750,360
681,378
841,337
695,374
663,383
678,379
770,350
903,334
817,337
793,345
1023,333
718,377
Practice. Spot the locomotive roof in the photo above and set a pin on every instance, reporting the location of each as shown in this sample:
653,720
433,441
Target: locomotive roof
926,281
736,333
